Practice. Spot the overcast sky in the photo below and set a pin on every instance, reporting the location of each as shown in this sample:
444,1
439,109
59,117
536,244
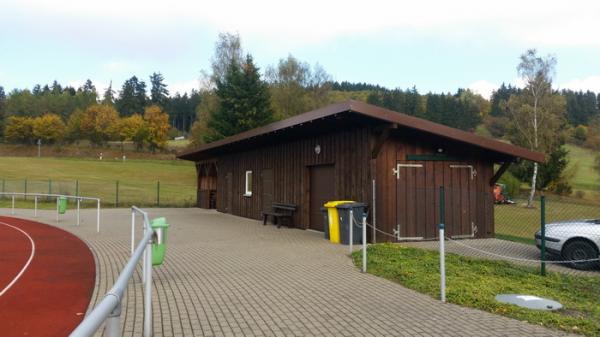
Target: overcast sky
435,46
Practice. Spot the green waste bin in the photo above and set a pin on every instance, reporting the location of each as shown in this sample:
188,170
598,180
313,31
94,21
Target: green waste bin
159,246
62,205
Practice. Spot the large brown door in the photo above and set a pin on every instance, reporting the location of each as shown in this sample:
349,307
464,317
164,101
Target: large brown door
321,190
267,189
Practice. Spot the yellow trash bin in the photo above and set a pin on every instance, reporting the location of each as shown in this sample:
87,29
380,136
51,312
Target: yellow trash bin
334,219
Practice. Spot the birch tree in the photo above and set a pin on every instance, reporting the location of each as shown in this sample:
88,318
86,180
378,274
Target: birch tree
536,112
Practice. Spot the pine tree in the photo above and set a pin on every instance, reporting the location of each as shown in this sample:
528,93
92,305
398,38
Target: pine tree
159,95
132,98
109,95
244,101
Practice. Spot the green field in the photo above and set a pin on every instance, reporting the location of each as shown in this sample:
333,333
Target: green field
138,179
474,283
585,178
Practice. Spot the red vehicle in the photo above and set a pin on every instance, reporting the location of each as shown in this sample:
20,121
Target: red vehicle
500,195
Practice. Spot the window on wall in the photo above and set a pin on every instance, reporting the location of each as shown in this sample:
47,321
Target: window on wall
248,191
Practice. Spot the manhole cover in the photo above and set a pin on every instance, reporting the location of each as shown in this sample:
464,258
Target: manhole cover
529,301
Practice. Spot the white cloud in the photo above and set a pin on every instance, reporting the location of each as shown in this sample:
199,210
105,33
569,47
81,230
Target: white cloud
483,87
564,23
591,83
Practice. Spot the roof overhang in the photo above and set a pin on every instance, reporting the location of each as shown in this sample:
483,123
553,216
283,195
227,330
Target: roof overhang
374,112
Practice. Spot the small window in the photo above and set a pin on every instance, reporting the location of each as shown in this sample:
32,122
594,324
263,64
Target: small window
248,192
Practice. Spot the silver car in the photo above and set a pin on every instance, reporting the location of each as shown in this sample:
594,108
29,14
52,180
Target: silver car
573,240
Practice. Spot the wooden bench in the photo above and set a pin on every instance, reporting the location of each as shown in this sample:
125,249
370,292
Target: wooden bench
280,212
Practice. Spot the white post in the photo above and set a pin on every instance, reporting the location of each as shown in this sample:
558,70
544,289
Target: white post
132,231
148,291
364,243
351,229
78,209
56,209
13,205
442,265
374,217
98,218
35,207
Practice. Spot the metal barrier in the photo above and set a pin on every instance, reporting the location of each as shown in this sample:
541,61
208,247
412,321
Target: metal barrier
57,196
109,309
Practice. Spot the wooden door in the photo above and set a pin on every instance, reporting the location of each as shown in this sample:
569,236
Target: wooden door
321,191
460,199
413,201
268,189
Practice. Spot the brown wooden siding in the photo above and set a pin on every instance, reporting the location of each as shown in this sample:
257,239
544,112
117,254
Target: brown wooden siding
347,150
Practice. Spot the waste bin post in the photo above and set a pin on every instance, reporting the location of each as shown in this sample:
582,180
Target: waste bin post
351,229
364,243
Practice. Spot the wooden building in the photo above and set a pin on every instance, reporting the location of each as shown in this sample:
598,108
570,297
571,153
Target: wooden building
355,151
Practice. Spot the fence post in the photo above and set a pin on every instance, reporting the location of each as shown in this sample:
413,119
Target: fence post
364,243
3,190
117,195
442,248
25,195
543,232
49,188
158,193
77,188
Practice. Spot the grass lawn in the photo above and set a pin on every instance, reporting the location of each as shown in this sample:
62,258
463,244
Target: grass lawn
137,179
475,282
586,178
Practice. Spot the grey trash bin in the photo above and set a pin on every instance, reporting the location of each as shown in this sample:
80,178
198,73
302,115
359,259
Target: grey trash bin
358,208
325,222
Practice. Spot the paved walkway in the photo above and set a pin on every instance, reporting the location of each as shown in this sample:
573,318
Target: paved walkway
229,276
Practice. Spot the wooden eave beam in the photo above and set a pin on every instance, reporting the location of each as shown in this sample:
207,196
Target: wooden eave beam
381,137
500,172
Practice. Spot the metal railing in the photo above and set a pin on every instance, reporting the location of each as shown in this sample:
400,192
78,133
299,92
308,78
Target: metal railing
109,309
35,196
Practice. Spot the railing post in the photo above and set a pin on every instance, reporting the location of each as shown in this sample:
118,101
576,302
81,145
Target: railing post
148,290
78,208
158,193
543,233
49,187
98,218
132,230
442,247
13,205
113,322
25,195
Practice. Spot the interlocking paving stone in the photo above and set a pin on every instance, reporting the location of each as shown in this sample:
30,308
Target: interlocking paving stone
231,276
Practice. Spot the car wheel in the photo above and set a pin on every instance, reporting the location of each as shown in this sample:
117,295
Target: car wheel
580,250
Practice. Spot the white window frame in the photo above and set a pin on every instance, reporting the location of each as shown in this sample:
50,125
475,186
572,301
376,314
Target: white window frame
248,184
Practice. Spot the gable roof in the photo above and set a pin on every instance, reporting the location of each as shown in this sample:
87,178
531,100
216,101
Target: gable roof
377,113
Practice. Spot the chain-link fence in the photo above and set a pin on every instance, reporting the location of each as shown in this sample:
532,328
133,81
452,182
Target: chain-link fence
493,226
112,193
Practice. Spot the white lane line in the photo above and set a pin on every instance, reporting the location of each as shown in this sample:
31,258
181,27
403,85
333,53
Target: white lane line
26,264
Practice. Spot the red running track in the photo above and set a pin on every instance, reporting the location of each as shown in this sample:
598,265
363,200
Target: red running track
54,274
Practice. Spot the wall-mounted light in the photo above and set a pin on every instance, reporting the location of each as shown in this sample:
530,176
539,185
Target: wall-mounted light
440,150
318,149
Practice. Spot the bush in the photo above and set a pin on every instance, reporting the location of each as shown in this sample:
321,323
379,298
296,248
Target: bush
513,185
580,134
